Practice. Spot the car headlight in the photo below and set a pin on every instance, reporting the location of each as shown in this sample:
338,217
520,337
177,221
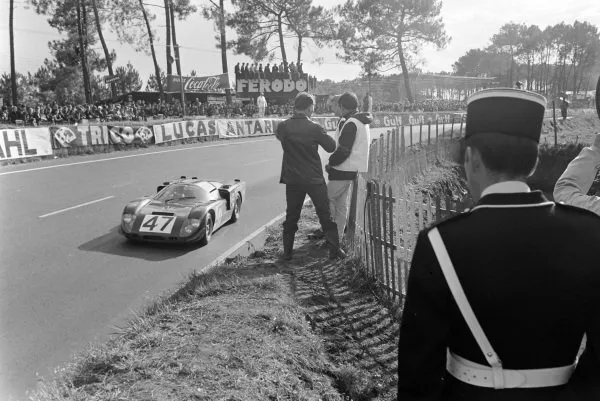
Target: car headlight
128,220
189,226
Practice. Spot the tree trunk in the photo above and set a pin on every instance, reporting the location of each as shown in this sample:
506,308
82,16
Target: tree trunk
13,72
168,18
404,71
299,50
281,44
223,34
156,67
175,45
82,53
177,59
84,26
113,85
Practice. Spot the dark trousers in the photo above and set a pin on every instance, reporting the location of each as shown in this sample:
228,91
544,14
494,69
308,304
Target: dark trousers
295,195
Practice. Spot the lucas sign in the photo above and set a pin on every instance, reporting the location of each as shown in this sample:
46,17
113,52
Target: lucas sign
288,86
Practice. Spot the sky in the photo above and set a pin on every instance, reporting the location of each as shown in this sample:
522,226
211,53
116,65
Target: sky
469,23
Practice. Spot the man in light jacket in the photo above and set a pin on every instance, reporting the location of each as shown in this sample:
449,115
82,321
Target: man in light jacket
261,102
575,182
350,157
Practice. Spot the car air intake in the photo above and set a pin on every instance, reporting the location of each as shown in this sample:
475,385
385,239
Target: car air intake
163,214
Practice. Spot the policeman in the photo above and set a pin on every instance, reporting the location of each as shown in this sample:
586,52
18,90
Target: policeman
499,298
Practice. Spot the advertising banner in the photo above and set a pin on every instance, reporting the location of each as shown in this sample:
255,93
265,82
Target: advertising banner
94,135
22,143
245,128
184,130
208,84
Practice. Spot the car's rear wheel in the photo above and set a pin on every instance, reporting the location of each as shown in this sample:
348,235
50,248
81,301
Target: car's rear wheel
237,209
208,230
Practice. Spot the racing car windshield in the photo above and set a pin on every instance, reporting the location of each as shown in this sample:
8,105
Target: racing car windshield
182,192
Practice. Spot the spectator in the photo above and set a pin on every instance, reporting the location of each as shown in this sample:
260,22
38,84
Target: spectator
237,70
268,71
368,103
487,266
261,102
575,182
351,157
302,173
564,106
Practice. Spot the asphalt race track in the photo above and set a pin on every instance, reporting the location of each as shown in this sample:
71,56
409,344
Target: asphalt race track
68,278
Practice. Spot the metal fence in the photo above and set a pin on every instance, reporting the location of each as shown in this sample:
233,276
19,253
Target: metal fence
387,211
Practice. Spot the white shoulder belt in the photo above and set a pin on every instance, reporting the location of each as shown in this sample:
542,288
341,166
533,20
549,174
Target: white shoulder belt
493,376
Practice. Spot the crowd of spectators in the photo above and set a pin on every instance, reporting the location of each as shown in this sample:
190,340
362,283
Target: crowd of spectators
45,114
426,105
273,71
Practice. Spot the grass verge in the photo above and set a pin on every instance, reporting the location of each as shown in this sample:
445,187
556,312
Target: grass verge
254,329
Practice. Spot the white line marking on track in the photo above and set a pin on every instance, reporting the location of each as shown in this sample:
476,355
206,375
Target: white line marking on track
257,162
129,156
75,207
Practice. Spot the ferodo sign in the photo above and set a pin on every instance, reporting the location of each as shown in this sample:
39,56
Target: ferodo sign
288,86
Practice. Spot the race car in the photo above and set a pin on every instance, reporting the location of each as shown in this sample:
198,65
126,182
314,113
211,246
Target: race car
183,211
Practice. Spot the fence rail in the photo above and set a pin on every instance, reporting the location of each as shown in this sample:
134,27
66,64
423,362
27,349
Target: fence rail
387,212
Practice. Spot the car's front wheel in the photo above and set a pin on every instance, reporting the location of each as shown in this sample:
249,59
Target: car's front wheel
208,230
237,209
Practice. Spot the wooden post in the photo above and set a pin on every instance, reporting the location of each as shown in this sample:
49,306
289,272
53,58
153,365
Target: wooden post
428,132
393,244
411,136
421,133
554,123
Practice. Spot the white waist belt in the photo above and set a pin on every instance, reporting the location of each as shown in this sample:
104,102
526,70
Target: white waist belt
482,376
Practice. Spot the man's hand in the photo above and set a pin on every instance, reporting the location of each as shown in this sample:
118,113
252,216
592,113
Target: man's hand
596,144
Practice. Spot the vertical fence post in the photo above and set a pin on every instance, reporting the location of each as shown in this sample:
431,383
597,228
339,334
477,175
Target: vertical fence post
461,125
384,247
402,141
421,133
388,164
452,128
372,228
381,158
392,243
411,135
429,132
393,150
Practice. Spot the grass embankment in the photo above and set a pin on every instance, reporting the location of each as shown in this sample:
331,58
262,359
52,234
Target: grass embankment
580,127
254,329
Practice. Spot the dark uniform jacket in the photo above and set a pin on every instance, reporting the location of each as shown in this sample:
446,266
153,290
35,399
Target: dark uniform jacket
531,272
300,139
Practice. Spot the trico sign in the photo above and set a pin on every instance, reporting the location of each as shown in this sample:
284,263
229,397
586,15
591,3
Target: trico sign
288,86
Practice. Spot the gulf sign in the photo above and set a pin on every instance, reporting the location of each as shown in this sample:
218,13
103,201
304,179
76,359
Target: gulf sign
271,85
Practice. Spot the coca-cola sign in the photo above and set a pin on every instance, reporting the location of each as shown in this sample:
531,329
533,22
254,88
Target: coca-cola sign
209,84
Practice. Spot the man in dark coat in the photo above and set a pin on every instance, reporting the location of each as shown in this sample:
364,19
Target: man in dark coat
500,297
302,173
237,70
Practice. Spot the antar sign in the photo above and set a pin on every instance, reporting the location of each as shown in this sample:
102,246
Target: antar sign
210,84
271,86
